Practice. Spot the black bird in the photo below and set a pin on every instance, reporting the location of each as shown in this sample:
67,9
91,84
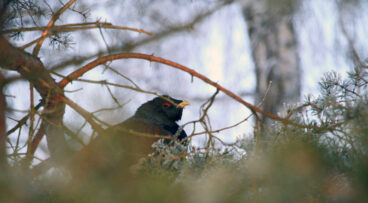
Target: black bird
152,120
125,143
110,161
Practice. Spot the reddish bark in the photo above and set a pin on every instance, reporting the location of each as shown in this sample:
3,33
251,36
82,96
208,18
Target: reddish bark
32,69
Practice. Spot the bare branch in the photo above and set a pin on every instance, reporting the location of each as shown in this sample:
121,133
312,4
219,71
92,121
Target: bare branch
77,27
157,36
49,25
350,42
78,73
86,115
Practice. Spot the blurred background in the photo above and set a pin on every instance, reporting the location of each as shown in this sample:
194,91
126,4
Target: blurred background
243,45
273,54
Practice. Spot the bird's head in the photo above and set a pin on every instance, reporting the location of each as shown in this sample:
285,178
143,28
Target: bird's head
162,109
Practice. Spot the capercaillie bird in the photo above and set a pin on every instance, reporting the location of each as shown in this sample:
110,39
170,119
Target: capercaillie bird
123,144
152,120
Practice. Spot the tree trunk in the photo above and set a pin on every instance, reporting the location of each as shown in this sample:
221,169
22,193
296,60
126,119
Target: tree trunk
32,69
274,52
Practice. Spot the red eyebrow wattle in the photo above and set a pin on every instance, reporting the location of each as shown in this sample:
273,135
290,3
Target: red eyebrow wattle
166,104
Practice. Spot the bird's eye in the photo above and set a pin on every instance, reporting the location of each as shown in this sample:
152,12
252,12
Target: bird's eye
166,104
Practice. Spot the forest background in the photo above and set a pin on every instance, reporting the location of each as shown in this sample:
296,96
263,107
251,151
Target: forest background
255,72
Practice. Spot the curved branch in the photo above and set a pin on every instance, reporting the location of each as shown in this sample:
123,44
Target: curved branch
78,73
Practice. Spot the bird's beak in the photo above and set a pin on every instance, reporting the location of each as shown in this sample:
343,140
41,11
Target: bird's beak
183,104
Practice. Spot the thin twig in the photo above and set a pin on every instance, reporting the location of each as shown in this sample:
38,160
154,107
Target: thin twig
49,25
76,27
86,115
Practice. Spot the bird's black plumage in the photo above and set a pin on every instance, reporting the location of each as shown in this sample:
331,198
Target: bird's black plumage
123,144
135,136
161,113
